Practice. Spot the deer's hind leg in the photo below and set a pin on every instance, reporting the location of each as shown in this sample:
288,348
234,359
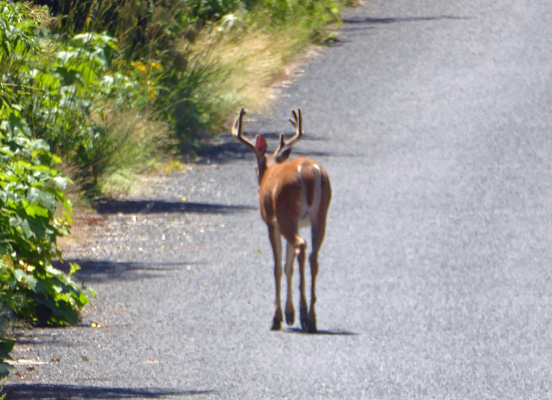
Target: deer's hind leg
276,243
318,229
295,248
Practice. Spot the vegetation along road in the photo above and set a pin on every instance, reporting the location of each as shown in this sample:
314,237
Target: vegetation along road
433,121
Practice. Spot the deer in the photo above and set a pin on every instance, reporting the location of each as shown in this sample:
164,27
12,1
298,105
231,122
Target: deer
293,194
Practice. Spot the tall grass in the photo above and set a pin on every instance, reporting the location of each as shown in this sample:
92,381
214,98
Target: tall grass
195,62
135,145
237,59
248,64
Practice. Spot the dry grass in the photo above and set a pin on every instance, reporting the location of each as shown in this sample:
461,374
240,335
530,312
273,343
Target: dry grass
253,65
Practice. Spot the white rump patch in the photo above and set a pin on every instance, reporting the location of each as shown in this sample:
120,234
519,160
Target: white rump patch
309,213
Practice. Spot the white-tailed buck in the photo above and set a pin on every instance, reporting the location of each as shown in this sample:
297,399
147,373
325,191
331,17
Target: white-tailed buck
292,194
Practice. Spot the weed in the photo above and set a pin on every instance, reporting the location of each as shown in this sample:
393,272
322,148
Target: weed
134,144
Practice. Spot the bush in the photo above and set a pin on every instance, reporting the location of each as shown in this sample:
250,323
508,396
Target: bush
63,87
31,189
165,34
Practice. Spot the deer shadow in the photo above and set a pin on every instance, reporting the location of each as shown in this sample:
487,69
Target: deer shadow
321,332
47,391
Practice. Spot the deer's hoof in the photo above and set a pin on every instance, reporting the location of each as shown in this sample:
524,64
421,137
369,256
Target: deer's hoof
290,318
308,325
276,324
304,322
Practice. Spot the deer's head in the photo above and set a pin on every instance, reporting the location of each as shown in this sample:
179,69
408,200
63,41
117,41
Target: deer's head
281,154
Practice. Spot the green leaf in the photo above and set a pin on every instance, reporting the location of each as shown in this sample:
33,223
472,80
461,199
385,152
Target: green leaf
21,275
90,290
34,210
26,228
5,369
61,182
3,197
46,199
6,346
74,268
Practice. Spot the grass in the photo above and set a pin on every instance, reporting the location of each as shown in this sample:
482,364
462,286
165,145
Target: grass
250,65
225,70
202,75
136,143
228,69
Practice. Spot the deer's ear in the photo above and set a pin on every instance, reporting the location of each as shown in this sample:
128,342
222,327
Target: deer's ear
284,155
260,145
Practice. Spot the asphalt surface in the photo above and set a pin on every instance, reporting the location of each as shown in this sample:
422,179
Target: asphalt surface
433,121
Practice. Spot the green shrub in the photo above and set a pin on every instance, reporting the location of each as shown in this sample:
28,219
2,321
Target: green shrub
30,190
165,34
63,88
6,346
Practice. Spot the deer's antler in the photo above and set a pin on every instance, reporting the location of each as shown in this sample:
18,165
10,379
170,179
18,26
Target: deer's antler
297,122
237,130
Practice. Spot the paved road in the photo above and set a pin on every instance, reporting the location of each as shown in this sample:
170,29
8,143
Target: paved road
433,120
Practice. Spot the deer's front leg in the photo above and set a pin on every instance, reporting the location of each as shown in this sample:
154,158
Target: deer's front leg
276,243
